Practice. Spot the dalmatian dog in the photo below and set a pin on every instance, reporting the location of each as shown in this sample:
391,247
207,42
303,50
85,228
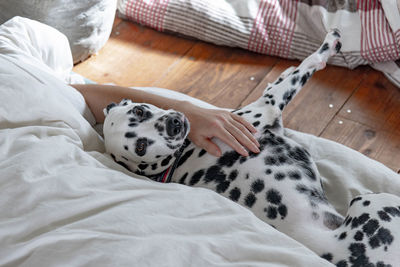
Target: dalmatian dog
280,185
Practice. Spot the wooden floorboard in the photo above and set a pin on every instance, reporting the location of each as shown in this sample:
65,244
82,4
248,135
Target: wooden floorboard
375,143
359,108
134,56
219,75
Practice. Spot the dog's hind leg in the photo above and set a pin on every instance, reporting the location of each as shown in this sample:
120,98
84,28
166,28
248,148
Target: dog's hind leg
282,91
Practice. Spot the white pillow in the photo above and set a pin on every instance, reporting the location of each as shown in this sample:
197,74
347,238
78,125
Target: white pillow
87,24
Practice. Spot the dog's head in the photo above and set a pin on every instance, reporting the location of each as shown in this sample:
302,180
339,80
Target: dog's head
136,133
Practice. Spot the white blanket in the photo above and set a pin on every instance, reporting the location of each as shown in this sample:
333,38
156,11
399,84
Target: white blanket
63,202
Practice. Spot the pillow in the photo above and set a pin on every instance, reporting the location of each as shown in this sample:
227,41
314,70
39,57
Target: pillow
87,24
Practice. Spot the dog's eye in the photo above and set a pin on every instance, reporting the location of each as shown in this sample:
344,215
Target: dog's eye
140,147
139,112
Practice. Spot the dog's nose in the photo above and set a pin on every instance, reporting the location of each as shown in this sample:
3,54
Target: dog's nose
174,126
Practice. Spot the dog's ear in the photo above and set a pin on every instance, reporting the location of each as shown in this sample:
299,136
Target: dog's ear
107,109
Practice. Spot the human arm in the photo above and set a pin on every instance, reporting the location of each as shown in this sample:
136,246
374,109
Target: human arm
205,123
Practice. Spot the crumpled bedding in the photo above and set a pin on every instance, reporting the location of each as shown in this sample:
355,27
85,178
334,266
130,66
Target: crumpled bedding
87,24
370,29
64,202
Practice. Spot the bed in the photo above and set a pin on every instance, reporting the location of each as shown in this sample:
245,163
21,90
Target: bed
64,202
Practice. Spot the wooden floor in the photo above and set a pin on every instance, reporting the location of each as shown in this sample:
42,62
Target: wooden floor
359,108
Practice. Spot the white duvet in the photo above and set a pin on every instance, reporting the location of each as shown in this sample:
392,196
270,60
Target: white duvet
63,202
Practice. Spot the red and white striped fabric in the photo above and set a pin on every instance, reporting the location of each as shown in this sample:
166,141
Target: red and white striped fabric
286,28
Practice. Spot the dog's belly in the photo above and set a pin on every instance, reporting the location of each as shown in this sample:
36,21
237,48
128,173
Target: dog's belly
280,185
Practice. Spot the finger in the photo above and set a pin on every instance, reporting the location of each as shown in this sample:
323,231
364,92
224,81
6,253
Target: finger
247,124
210,147
243,135
231,141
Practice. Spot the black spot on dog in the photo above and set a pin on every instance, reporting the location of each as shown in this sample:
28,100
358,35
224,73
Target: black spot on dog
370,227
295,79
247,111
327,256
250,200
234,194
324,47
272,102
360,220
279,176
120,162
383,236
130,135
233,175
272,212
257,186
336,33
269,160
281,106
358,257
282,210
294,175
279,80
268,171
392,211
341,263
202,152
110,106
214,173
276,124
338,46
273,196
228,158
185,157
359,236
304,79
126,147
288,95
143,166
183,178
256,123
222,186
366,203
355,200
154,166
258,115
384,216
166,161
196,177
159,127
342,236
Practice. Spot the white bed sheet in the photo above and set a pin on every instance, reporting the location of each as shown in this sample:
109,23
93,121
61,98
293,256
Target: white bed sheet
63,202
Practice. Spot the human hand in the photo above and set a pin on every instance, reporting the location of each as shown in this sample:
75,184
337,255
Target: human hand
228,127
